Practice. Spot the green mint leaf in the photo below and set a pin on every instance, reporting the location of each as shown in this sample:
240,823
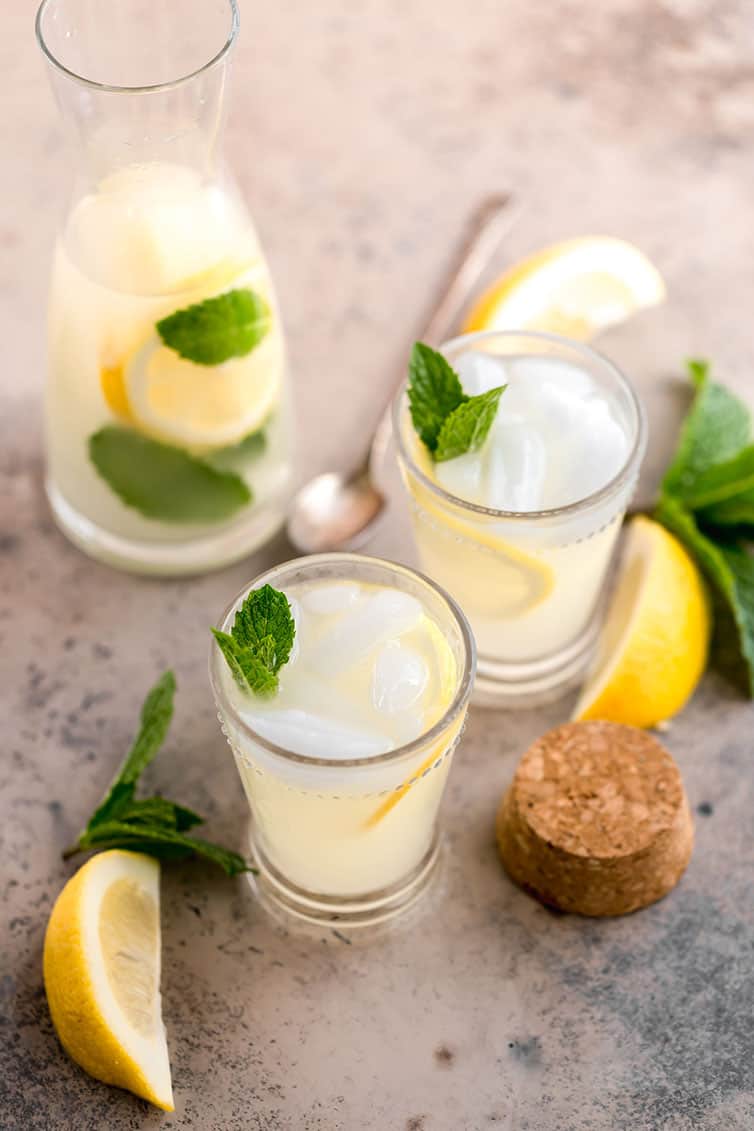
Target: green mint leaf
116,802
159,811
251,672
260,641
213,331
229,649
466,428
238,455
434,391
159,841
726,563
164,482
266,616
156,714
259,678
716,428
723,482
738,511
153,824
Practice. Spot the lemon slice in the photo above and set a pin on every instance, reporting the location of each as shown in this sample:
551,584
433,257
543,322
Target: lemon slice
102,973
653,647
199,406
195,406
575,288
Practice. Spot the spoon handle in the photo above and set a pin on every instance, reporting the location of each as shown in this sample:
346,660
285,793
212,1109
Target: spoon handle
492,220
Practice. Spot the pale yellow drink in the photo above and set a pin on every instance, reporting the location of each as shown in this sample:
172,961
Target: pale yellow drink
345,767
522,531
150,240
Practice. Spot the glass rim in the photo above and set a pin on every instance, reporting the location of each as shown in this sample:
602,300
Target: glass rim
595,497
147,88
459,701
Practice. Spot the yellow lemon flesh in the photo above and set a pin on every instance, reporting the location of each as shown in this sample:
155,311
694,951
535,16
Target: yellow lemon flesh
575,288
102,973
195,406
653,647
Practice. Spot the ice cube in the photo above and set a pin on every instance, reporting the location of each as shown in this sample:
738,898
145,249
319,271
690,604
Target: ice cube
533,372
515,466
480,372
305,732
370,622
325,599
399,678
462,476
586,445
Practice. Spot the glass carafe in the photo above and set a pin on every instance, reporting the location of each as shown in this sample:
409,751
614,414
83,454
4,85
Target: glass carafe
167,417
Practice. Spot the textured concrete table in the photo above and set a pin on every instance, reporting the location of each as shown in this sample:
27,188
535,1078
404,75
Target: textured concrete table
364,134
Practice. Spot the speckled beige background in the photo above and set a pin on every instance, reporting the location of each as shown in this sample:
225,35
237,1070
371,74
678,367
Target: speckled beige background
364,132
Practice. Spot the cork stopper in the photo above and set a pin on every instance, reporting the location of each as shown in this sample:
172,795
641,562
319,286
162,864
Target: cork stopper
596,820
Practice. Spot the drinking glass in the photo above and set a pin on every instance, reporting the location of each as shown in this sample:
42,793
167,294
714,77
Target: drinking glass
529,581
352,840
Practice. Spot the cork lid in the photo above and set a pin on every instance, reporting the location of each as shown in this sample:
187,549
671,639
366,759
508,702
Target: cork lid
599,790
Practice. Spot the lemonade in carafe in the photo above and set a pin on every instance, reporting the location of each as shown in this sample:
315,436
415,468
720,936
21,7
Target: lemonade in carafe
167,412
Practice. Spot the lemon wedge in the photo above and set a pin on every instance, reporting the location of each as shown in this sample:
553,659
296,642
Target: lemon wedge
102,973
575,288
653,646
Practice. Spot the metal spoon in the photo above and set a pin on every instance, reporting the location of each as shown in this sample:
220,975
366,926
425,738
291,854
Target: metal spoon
339,512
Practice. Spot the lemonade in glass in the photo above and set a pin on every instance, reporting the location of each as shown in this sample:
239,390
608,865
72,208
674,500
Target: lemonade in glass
344,766
521,525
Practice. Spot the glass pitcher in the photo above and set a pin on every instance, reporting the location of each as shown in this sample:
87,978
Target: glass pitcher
167,415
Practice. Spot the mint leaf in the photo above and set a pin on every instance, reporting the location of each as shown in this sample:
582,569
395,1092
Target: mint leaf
162,842
158,811
213,331
260,640
715,429
229,649
164,482
152,824
238,455
156,715
723,480
738,511
434,391
466,428
726,564
259,678
265,621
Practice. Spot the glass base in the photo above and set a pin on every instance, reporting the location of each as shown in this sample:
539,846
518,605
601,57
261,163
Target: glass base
529,684
168,559
290,904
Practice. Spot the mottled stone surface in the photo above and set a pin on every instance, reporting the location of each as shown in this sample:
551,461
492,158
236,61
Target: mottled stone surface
364,134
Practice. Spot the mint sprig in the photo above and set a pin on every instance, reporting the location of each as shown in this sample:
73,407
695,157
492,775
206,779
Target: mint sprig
707,498
448,422
260,641
152,825
164,482
466,428
213,331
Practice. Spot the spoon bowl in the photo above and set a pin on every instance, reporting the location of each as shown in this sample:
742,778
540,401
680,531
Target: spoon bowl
335,512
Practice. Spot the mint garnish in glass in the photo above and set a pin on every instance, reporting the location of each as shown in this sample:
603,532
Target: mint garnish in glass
449,422
260,641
